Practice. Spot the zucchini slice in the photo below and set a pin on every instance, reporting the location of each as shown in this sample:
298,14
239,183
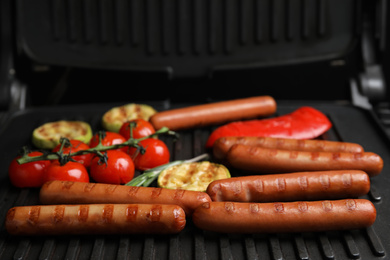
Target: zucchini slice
194,176
48,135
114,118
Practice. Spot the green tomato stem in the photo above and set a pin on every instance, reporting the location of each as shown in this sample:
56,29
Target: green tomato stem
131,142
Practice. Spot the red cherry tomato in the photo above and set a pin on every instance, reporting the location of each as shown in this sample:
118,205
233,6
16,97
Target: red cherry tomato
27,174
110,138
156,154
119,168
75,146
142,128
70,171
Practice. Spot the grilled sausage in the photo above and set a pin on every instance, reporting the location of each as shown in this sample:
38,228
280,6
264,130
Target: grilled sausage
214,113
233,217
95,219
65,192
319,185
264,160
222,145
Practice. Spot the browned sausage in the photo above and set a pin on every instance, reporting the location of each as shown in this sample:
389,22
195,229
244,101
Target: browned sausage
222,145
321,185
265,160
65,192
214,113
95,219
241,217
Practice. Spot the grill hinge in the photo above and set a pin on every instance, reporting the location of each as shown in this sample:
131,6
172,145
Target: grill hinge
370,87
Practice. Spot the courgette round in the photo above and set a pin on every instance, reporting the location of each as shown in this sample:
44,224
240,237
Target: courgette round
113,119
194,176
47,136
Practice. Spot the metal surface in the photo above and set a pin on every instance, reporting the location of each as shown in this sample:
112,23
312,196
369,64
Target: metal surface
351,124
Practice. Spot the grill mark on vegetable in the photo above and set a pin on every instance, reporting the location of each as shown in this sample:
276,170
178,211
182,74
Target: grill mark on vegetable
108,211
154,214
33,215
132,190
131,213
122,112
110,188
325,183
350,204
212,168
82,214
58,214
302,206
281,184
138,110
327,206
156,192
179,194
347,180
89,186
303,183
279,207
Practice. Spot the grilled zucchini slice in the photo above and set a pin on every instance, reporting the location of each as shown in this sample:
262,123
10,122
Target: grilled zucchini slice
114,118
48,135
194,176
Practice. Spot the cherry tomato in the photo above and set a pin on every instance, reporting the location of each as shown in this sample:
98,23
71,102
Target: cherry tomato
156,154
110,138
142,128
27,174
75,146
119,168
70,171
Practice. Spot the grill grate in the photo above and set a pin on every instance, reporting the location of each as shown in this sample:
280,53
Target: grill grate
193,243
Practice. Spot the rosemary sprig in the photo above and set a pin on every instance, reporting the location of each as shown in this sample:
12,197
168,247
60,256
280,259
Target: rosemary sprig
146,178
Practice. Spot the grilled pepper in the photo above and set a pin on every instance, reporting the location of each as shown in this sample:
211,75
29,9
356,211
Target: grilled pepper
303,123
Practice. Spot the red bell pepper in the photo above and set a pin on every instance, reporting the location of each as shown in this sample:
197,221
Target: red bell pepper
303,123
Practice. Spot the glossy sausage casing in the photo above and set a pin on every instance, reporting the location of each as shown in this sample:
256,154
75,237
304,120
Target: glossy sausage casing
66,192
301,216
214,113
265,160
319,185
222,145
95,219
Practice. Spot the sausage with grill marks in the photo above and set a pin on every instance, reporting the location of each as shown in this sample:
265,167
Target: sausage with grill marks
265,160
222,145
66,192
297,186
95,219
300,216
214,113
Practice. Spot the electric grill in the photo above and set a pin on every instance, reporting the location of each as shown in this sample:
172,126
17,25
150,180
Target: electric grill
74,60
